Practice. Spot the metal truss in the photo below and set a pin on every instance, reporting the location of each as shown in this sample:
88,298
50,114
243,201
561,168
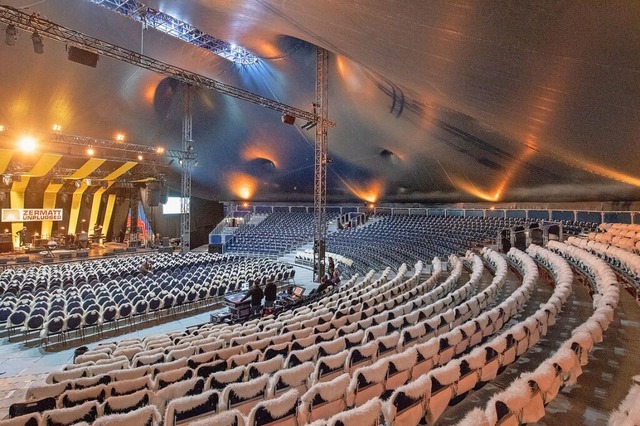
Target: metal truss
320,169
187,164
174,27
149,153
51,30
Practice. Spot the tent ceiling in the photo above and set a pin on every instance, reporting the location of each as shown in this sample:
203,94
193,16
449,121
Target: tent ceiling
434,101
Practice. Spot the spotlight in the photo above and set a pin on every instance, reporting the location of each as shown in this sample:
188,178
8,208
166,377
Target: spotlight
38,46
119,137
140,157
190,148
171,161
11,35
27,144
87,182
90,152
104,184
309,125
56,127
2,128
180,161
78,183
159,150
6,179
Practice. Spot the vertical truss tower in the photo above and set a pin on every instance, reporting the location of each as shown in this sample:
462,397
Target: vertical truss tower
320,169
187,164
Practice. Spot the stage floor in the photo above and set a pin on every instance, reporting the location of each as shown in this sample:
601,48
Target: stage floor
18,257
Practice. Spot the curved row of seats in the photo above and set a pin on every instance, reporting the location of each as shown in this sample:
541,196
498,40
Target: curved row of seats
622,235
627,263
228,365
524,400
403,356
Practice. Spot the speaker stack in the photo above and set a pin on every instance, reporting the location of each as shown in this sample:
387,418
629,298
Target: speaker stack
153,193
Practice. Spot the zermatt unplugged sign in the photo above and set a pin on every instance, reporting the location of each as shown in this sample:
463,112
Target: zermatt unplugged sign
31,215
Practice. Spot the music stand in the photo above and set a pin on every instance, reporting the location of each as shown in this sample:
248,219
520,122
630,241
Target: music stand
51,246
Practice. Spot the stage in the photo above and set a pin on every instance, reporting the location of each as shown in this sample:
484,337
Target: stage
43,256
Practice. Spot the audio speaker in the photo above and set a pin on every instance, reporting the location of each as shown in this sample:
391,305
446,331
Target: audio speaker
65,255
153,192
163,193
81,56
22,259
82,253
288,119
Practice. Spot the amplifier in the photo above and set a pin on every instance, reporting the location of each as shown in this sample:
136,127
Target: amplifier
82,253
5,238
6,246
22,259
65,255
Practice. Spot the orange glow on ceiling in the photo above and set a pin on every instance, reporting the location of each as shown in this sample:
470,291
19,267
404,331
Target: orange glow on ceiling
369,193
242,185
150,92
251,152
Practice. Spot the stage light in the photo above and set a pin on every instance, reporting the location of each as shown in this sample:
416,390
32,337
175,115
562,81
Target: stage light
27,144
245,205
120,137
56,128
11,35
309,125
77,183
140,157
190,148
6,179
87,182
90,151
159,150
2,128
38,46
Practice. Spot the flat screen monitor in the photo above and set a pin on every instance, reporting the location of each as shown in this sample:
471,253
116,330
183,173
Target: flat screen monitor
173,206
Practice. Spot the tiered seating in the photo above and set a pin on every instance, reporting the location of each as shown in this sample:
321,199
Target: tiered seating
622,235
389,326
59,299
393,240
623,261
524,400
277,234
196,366
396,348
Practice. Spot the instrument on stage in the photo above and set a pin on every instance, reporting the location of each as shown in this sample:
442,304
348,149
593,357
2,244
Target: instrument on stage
238,308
